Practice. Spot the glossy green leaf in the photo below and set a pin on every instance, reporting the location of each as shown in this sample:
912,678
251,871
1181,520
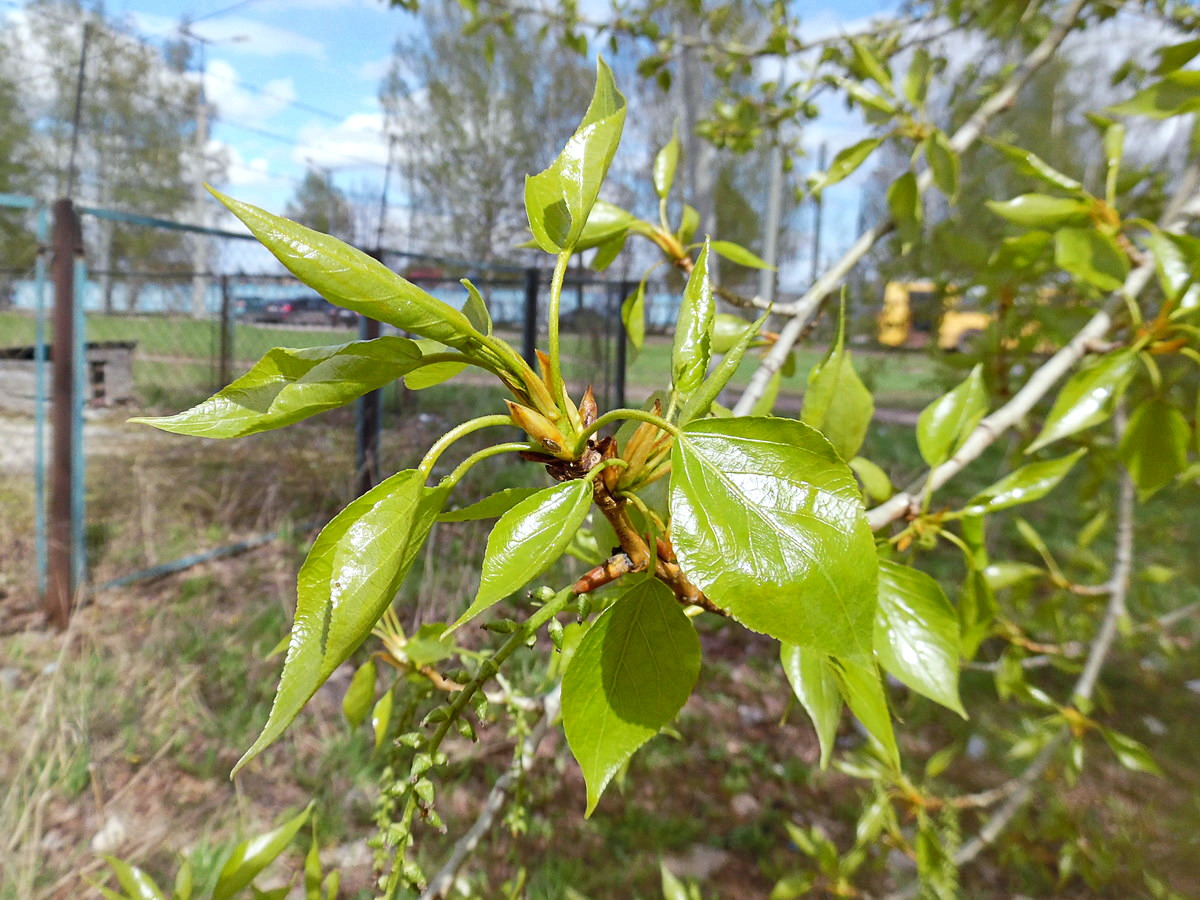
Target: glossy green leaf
559,200
252,856
845,163
875,481
672,887
360,695
607,253
916,634
862,688
630,676
836,402
475,308
606,222
665,162
136,883
943,162
1028,483
1176,272
381,717
869,65
693,330
312,869
1005,574
728,331
736,253
816,688
1091,256
904,206
183,881
1088,398
946,422
430,374
1176,95
700,403
527,540
286,386
429,644
349,578
1154,446
876,109
490,507
1176,56
767,520
916,81
688,225
1030,164
977,601
349,278
633,315
1131,754
1041,210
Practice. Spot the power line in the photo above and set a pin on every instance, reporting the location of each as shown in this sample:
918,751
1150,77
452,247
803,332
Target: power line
223,11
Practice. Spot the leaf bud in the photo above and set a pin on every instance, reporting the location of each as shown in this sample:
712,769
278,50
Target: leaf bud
583,606
588,410
543,594
538,427
555,630
501,626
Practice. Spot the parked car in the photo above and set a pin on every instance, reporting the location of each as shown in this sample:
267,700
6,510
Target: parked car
303,310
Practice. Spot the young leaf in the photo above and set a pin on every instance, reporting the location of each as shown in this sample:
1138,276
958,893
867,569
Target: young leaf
136,883
349,278
869,65
286,386
527,540
490,507
559,200
1088,398
252,856
837,403
1176,272
1028,483
1030,164
429,644
904,206
381,716
1041,210
693,330
606,222
688,223
672,887
360,695
631,674
845,163
633,316
475,309
1154,446
862,689
700,403
946,422
1091,256
1131,754
943,162
1175,95
431,374
916,634
349,578
768,522
736,253
1176,56
664,166
916,81
875,481
816,688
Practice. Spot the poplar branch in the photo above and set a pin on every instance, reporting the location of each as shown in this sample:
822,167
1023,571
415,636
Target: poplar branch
803,309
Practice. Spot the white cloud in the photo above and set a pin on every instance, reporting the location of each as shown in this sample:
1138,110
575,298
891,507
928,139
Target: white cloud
239,34
356,140
223,89
374,69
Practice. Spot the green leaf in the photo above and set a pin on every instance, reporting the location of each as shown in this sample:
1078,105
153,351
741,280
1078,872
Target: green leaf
312,869
943,162
430,374
768,522
700,403
1176,56
836,402
286,386
916,634
845,163
527,540
1041,210
869,65
1030,164
559,200
349,278
360,695
351,575
183,881
1005,574
875,481
816,688
475,308
693,330
736,253
633,315
904,206
631,674
672,887
381,716
1091,256
491,507
1020,252
429,644
689,222
728,331
1131,754
1088,398
875,108
946,422
1175,95
862,689
1176,273
665,162
916,81
136,883
1028,483
607,253
1154,446
252,856
606,222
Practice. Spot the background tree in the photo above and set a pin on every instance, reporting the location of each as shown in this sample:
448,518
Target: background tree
17,245
320,205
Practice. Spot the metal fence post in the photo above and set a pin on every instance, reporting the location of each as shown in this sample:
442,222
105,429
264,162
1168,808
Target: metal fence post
626,288
529,343
63,572
225,348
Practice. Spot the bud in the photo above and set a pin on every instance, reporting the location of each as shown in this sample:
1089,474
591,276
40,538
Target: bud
544,593
588,410
583,606
538,427
555,630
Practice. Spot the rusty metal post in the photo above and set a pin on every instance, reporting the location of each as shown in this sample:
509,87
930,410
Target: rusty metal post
66,245
225,338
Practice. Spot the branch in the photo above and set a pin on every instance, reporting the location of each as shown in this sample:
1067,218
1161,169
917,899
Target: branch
804,308
442,883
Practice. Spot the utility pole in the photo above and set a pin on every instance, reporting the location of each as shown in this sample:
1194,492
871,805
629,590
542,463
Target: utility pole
80,77
816,244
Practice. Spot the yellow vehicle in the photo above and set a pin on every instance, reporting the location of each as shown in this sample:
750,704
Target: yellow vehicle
913,311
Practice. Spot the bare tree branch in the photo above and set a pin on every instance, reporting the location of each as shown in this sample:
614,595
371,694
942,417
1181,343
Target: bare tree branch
803,309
